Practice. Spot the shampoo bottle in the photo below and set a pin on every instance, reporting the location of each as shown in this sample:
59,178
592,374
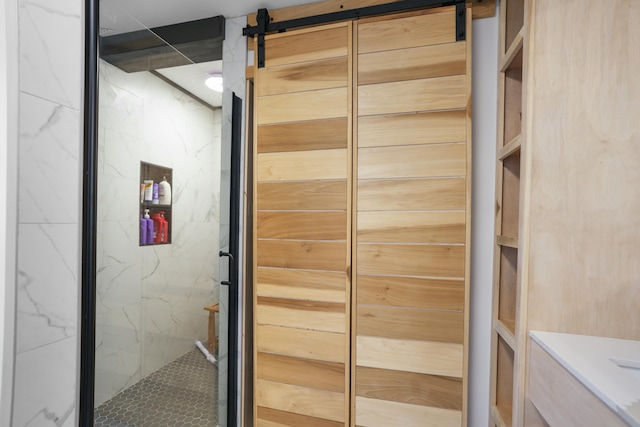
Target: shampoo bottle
155,198
143,230
164,229
157,225
165,192
148,190
149,227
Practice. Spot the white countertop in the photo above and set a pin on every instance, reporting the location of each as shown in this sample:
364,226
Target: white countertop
589,359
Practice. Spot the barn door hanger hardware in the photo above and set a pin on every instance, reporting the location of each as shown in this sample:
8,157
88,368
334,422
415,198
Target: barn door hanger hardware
264,24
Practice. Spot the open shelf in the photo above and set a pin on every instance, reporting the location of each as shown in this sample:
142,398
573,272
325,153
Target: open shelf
510,196
512,103
156,173
514,20
507,287
504,381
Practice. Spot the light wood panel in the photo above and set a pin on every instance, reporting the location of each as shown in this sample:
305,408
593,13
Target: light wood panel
411,260
409,387
411,227
301,136
310,344
300,400
410,324
304,254
316,195
302,284
302,314
381,413
302,372
414,161
302,165
305,46
444,294
410,64
423,357
413,31
298,106
442,93
314,75
412,194
268,417
302,225
415,128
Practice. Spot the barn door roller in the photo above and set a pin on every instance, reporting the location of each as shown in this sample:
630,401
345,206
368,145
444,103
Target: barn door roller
264,24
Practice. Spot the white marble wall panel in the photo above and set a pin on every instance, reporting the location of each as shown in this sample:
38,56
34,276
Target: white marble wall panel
45,385
48,188
234,56
50,51
153,297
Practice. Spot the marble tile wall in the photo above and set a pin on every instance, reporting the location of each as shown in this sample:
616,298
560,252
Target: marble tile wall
234,57
151,298
48,259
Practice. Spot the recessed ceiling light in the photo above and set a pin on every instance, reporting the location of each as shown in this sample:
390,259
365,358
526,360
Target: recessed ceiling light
214,82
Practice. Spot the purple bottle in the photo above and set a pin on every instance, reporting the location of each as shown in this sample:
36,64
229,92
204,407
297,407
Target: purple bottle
143,231
149,224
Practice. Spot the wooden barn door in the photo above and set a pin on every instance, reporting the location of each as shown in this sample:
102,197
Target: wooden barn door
303,229
411,239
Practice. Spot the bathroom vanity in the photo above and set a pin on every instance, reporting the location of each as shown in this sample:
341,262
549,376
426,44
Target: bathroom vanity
580,380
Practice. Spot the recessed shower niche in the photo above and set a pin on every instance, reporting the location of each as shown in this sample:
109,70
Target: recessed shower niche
155,204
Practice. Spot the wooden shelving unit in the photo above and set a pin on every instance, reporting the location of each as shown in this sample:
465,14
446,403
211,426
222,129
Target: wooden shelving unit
506,307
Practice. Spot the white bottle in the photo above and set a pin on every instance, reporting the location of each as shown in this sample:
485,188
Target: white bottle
165,192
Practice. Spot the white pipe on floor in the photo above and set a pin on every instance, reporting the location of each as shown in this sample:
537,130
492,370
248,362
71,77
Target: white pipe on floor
210,357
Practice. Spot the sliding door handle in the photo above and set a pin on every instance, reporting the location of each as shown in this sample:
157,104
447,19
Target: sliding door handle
231,262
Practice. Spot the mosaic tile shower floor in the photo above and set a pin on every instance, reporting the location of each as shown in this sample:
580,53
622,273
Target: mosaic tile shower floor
184,393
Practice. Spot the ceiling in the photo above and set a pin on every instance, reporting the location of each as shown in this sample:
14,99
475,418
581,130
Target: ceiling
121,16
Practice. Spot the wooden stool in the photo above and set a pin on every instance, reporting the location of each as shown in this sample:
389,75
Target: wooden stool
212,344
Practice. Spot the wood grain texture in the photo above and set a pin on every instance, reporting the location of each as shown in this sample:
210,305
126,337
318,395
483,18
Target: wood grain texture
314,75
412,194
409,387
303,136
380,413
552,389
320,195
309,344
410,324
302,165
414,129
414,161
411,260
441,93
302,284
302,225
306,46
303,254
421,357
302,372
410,64
301,314
444,294
411,227
299,106
402,33
268,417
300,400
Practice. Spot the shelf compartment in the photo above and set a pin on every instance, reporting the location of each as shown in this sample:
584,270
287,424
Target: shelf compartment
512,58
512,103
507,287
504,381
510,206
510,148
514,20
157,173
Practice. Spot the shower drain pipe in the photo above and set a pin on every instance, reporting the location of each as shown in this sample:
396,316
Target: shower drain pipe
210,357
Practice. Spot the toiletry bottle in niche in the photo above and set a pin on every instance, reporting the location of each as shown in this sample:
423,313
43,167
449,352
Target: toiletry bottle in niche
149,227
157,227
143,230
164,229
165,192
156,194
148,190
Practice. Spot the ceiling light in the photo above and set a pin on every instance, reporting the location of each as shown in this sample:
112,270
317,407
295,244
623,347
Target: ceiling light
214,82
